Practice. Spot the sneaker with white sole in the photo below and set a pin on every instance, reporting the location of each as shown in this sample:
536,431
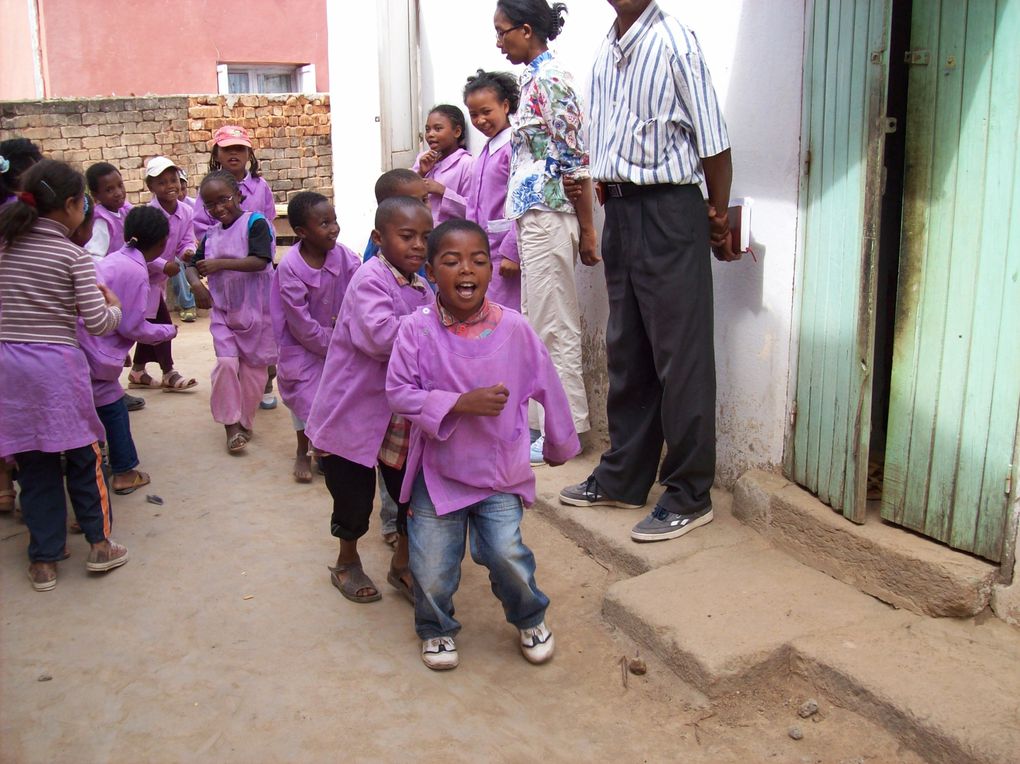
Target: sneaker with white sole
589,494
537,643
662,524
537,447
268,402
439,653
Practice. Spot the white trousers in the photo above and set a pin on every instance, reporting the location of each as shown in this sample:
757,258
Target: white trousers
548,245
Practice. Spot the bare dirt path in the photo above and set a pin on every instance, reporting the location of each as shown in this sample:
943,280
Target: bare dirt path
223,641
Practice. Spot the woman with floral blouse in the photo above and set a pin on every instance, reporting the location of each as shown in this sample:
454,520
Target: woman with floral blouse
547,147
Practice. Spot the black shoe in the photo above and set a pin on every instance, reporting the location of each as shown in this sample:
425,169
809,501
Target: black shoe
589,494
133,402
662,524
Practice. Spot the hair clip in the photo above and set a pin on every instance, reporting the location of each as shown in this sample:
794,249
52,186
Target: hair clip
5,165
48,188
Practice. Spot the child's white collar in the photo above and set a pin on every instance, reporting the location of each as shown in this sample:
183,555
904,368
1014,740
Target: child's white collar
499,140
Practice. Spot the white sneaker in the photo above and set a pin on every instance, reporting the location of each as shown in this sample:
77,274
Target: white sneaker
537,457
439,653
537,643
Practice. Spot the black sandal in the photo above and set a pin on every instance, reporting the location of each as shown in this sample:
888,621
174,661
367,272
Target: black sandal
355,582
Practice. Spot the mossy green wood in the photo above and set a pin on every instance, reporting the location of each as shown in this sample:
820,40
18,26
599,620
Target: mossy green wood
955,389
844,93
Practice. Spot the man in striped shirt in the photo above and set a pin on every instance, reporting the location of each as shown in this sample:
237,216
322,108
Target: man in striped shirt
657,133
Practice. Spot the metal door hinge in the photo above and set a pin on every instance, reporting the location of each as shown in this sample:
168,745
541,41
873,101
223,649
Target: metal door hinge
917,57
793,415
807,162
1009,480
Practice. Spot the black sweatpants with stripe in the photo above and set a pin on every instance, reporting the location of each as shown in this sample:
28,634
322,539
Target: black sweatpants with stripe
42,476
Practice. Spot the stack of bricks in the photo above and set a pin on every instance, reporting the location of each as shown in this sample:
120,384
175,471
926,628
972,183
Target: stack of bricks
290,133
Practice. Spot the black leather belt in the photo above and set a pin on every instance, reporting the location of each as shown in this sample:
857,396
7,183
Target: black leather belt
621,190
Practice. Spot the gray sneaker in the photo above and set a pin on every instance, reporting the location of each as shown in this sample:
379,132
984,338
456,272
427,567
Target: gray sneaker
662,524
589,494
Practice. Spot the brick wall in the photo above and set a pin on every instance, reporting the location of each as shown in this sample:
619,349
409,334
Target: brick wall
291,135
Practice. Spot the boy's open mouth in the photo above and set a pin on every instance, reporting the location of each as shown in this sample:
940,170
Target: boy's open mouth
466,289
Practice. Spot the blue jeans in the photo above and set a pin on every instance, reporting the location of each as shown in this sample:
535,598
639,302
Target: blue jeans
120,444
185,299
437,548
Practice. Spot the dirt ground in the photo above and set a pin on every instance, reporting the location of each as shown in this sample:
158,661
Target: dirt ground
222,639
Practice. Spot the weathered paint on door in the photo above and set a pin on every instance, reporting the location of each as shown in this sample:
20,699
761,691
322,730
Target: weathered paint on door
956,370
844,94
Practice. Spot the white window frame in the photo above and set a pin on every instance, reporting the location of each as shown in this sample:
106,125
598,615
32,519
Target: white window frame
302,76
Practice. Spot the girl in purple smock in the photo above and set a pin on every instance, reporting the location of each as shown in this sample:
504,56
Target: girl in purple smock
308,290
446,166
125,272
235,256
463,371
16,156
46,404
350,422
232,151
491,97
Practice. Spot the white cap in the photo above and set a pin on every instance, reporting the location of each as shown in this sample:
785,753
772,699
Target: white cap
157,166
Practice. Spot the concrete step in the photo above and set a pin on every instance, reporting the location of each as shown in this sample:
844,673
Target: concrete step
731,618
605,532
893,564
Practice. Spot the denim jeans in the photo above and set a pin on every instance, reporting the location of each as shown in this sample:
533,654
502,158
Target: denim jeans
387,509
437,548
119,443
185,299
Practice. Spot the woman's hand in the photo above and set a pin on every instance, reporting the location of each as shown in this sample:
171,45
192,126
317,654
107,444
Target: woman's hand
586,247
109,296
509,269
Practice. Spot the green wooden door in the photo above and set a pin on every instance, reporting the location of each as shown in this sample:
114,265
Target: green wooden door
844,94
956,370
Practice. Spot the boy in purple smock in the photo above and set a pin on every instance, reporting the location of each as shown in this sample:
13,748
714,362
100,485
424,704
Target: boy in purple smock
107,188
463,372
125,272
308,290
350,422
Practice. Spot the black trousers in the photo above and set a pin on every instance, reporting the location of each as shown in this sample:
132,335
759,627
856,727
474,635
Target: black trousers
44,508
660,349
352,487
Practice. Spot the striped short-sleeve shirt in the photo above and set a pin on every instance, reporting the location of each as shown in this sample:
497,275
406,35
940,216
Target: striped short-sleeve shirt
46,283
654,111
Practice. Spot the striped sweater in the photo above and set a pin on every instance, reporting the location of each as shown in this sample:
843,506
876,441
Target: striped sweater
46,282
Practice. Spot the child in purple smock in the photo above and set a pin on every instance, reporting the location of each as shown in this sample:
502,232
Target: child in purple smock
16,156
308,290
350,422
232,151
107,188
447,164
463,372
490,98
124,272
235,255
46,405
163,181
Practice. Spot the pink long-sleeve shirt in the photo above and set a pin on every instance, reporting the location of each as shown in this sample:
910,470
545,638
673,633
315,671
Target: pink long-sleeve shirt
486,201
125,273
468,458
453,172
350,414
305,305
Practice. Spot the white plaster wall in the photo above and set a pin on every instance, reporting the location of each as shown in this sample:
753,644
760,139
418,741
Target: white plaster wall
754,50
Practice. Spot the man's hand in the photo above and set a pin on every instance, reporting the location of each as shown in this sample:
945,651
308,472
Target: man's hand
483,401
572,188
720,236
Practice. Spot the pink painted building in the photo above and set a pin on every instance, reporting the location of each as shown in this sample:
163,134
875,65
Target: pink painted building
84,48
